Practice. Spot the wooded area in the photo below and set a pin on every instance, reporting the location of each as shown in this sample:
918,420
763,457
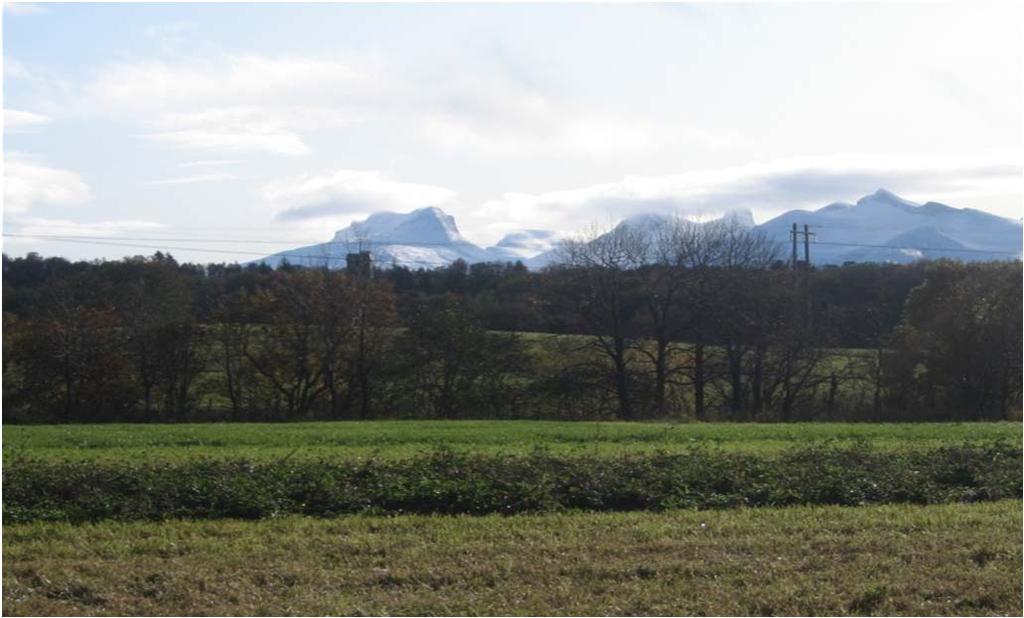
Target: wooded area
689,321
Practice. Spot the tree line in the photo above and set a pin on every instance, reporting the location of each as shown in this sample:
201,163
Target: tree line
676,320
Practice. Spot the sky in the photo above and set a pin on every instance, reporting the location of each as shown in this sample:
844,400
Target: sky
251,128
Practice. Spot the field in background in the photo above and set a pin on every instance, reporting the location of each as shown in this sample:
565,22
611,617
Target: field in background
337,440
948,559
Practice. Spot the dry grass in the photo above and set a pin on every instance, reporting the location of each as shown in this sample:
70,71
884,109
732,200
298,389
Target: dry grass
907,560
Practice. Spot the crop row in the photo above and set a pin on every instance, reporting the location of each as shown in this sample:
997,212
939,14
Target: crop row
449,482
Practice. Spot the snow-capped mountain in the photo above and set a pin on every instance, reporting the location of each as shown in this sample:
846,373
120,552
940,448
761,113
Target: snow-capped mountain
523,245
883,227
423,238
647,223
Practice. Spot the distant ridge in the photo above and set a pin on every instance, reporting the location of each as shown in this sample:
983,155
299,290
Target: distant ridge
880,227
883,227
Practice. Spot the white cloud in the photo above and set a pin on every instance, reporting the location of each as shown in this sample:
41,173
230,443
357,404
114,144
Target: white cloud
766,189
268,103
210,162
276,142
18,119
232,79
14,68
29,183
188,180
348,193
41,227
563,132
171,36
27,234
235,103
39,88
23,8
233,129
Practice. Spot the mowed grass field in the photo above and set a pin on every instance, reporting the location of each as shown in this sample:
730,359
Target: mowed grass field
951,559
397,439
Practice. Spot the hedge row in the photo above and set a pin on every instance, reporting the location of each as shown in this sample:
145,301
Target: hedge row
448,482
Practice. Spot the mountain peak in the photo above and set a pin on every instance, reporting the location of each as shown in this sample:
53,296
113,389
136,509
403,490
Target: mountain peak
884,196
429,211
524,244
740,216
429,225
881,227
884,227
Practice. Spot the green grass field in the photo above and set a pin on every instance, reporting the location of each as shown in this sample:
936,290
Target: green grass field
892,559
886,560
409,438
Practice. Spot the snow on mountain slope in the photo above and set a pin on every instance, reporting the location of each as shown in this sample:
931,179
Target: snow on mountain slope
881,227
424,226
647,223
920,243
425,238
523,245
884,218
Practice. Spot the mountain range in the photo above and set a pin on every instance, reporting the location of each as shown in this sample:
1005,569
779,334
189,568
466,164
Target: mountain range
880,227
423,238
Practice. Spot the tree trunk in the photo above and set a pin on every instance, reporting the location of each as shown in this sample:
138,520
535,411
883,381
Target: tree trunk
698,380
735,355
661,379
757,384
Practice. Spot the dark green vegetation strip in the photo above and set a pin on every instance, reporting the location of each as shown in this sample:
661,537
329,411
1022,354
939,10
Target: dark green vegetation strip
949,559
401,439
449,482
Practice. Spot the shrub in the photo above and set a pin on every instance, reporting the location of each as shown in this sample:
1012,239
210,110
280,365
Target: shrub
447,482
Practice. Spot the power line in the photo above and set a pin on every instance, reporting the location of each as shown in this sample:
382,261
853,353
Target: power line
350,243
964,250
130,242
424,243
168,248
149,239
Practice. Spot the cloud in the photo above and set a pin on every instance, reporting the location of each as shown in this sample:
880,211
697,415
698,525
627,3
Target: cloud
18,119
41,227
188,180
26,233
233,129
766,189
231,79
24,8
478,105
274,142
173,29
29,183
211,162
35,87
171,36
14,68
232,103
348,192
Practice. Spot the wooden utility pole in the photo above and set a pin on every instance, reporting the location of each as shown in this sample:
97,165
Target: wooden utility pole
805,280
807,276
807,245
792,236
